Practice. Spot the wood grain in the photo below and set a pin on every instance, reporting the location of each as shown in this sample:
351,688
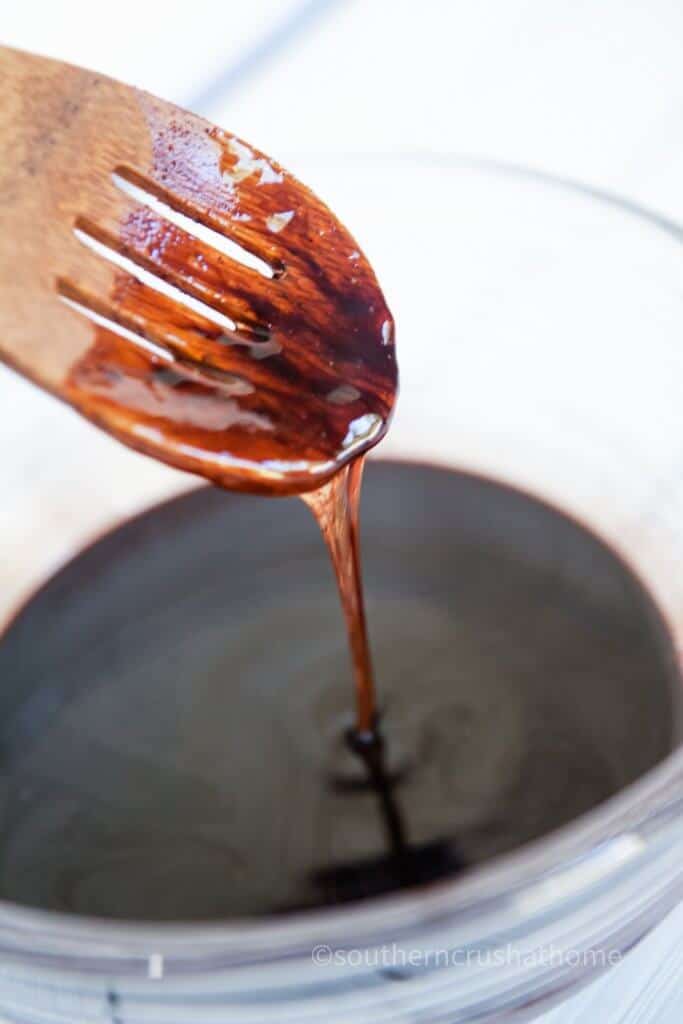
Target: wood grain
261,383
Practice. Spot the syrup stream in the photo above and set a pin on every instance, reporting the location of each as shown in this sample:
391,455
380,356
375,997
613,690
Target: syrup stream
335,506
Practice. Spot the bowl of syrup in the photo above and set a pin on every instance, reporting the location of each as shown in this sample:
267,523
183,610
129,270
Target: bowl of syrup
196,797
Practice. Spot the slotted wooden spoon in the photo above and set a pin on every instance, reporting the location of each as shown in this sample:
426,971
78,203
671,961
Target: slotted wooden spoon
180,289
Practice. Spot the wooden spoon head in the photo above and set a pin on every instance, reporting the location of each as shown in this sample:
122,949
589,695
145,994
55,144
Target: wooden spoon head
264,377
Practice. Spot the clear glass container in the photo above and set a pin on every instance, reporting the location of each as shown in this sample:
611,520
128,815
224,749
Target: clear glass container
539,340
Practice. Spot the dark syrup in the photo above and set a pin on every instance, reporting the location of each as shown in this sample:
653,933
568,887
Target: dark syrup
186,408
290,398
100,816
301,380
336,507
175,712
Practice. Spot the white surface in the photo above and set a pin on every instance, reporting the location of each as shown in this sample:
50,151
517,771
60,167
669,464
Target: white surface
573,87
173,48
581,89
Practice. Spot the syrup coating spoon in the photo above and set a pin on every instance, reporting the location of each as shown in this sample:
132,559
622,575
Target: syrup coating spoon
180,289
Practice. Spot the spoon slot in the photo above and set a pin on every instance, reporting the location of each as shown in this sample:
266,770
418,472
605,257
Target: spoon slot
193,221
105,316
115,252
183,369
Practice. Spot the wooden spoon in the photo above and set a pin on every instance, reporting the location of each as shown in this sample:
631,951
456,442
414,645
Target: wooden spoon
180,289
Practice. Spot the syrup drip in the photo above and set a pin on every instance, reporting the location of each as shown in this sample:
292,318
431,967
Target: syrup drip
335,506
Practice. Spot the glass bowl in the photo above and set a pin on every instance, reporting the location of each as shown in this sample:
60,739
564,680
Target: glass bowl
539,343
